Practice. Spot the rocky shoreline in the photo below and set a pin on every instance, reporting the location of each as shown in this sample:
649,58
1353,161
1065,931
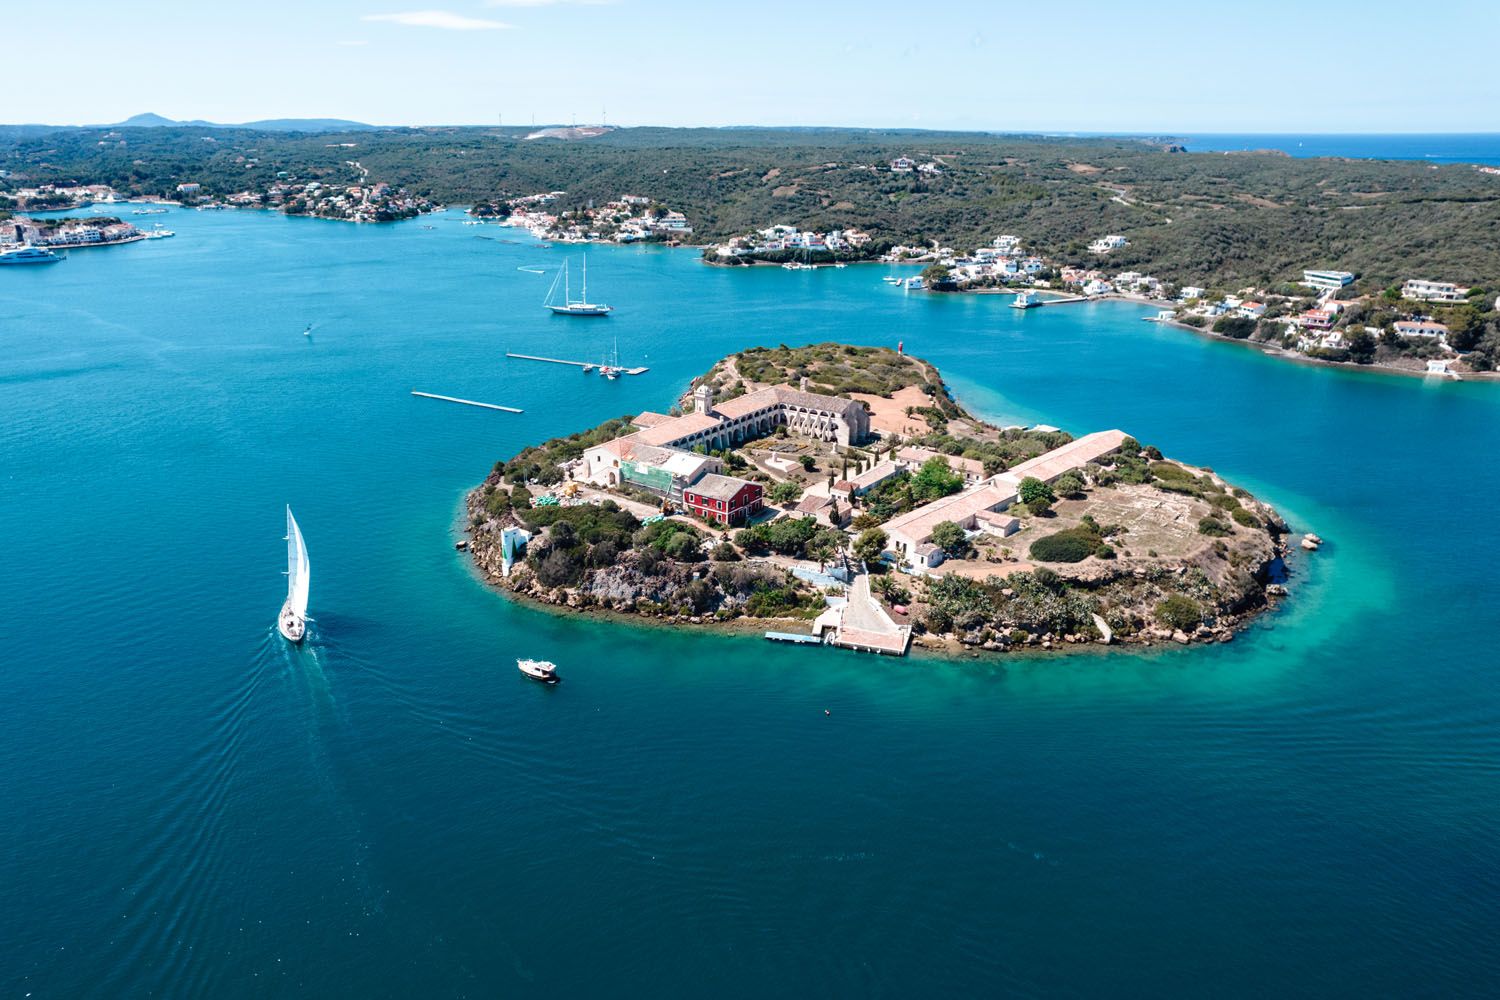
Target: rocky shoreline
1063,581
1260,595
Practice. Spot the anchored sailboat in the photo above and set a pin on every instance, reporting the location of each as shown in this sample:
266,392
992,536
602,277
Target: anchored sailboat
568,307
292,622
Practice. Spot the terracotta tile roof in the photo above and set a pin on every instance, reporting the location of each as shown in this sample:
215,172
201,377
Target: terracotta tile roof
677,428
918,524
1073,455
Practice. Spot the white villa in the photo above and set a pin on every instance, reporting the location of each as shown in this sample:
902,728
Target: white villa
1328,281
1433,291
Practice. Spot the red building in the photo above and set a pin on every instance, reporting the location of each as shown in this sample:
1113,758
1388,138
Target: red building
723,499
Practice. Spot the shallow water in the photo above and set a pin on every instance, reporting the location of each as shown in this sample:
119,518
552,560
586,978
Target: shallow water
193,808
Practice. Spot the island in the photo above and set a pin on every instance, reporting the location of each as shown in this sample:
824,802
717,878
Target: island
839,494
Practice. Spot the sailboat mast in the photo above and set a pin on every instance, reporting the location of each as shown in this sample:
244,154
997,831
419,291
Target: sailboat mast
567,296
585,277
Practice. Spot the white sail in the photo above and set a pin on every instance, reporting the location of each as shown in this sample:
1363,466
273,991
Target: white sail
552,292
298,570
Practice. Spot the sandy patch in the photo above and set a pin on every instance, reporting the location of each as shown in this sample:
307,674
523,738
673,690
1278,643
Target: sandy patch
889,415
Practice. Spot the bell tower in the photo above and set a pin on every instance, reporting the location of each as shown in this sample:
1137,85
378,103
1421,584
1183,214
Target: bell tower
703,398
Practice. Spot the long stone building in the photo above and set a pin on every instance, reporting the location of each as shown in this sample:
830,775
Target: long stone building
715,425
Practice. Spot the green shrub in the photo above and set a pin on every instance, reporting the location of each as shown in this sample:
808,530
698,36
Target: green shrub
937,620
1170,471
785,492
1179,612
682,547
1243,516
1033,489
1070,483
498,503
1104,552
1068,546
1213,527
870,543
1237,327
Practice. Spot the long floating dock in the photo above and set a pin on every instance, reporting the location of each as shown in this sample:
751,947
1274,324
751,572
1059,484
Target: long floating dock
466,402
795,637
580,364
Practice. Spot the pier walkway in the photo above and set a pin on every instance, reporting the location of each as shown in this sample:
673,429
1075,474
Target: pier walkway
467,402
866,627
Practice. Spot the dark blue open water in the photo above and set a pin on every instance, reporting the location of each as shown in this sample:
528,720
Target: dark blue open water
1463,147
193,809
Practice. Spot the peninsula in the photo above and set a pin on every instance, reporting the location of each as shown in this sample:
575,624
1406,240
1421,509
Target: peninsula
839,494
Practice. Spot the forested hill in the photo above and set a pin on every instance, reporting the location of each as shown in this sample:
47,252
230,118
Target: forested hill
1199,217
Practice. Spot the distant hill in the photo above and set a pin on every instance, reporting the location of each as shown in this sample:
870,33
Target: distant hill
151,120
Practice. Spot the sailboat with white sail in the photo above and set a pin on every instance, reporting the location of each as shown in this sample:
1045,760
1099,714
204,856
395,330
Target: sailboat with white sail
292,622
569,307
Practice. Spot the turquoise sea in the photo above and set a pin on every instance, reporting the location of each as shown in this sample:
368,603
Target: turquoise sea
191,808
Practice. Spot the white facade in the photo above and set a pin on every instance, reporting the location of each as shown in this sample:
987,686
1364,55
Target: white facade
1433,291
1327,280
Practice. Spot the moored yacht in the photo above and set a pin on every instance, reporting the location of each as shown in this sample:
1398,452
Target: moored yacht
28,254
568,307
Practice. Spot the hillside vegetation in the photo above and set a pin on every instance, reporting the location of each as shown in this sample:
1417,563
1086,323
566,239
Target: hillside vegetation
1207,218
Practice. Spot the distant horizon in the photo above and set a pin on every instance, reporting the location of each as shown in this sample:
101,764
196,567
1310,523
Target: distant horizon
999,130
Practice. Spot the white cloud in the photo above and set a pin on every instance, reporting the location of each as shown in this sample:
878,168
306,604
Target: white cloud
444,19
545,3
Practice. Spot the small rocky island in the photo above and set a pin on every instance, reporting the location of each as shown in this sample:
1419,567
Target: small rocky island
840,494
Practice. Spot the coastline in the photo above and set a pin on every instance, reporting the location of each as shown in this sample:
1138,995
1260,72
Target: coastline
1248,585
1272,350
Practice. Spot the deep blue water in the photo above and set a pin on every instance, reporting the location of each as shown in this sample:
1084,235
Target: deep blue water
194,809
1473,147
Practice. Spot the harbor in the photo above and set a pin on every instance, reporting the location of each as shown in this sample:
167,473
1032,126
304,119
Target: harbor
585,365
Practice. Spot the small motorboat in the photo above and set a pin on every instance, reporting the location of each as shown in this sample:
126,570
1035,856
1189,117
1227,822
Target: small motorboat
539,670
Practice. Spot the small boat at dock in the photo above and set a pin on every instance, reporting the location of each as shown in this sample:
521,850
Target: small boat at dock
539,670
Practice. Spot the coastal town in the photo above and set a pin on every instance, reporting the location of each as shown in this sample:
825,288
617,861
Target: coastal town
860,500
1421,325
627,219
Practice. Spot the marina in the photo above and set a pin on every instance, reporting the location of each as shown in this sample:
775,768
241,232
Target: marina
585,365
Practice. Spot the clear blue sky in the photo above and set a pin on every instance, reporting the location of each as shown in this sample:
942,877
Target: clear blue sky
1153,66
